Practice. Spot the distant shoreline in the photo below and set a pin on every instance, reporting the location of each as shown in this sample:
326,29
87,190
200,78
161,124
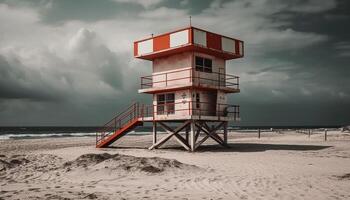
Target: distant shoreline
58,132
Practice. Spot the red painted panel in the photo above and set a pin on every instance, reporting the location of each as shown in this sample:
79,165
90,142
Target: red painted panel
135,48
161,42
191,47
214,41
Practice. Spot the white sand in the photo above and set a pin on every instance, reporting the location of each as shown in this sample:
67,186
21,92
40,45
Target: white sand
277,166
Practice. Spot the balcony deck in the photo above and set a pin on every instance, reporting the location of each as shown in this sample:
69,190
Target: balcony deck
189,78
180,111
172,118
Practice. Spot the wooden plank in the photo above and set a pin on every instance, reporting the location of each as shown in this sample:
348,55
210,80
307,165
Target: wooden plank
225,132
201,141
212,133
167,137
192,136
154,132
197,134
180,139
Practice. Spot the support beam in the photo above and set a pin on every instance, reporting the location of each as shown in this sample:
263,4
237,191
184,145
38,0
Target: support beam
225,132
178,137
197,132
192,131
187,132
201,141
170,134
154,132
212,132
192,136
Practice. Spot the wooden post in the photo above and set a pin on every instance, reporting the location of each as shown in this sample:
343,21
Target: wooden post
187,131
154,132
259,133
225,133
192,136
309,133
325,135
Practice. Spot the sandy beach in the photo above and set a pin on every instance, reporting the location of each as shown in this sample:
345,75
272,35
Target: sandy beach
276,166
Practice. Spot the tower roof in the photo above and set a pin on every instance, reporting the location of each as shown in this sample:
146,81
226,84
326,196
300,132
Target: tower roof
189,39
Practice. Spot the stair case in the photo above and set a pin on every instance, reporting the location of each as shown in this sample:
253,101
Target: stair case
119,126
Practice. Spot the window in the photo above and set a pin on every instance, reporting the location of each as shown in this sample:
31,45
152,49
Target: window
165,103
204,64
160,104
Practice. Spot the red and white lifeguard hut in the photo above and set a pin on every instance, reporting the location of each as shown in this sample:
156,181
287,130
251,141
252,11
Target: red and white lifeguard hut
189,87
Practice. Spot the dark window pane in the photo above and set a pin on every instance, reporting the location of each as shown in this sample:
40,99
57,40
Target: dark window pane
199,61
160,98
207,63
170,97
197,101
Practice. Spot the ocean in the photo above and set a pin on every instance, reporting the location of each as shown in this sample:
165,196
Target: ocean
49,131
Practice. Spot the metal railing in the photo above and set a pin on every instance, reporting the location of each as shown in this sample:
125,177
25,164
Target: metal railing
130,114
192,108
188,76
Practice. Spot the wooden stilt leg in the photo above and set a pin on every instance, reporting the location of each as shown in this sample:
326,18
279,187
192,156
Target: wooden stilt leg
225,133
193,135
154,132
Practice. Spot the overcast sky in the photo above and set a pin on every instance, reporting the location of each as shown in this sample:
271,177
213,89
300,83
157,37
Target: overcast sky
70,62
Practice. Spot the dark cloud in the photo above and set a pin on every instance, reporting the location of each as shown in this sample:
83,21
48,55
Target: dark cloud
18,82
98,57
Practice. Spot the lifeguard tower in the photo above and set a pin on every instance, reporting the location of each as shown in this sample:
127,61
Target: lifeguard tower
189,87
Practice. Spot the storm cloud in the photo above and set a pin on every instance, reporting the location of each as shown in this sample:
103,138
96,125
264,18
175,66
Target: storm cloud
71,62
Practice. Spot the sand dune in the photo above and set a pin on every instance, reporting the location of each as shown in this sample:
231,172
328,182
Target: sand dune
277,166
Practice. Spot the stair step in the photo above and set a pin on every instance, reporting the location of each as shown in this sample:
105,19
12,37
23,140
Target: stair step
118,133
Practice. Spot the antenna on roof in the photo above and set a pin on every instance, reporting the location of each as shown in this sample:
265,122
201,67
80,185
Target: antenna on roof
190,20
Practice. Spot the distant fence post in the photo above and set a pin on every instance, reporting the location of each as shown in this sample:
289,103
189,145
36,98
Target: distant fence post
325,135
309,132
259,133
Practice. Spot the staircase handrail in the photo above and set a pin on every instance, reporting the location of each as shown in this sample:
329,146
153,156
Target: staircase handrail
132,111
